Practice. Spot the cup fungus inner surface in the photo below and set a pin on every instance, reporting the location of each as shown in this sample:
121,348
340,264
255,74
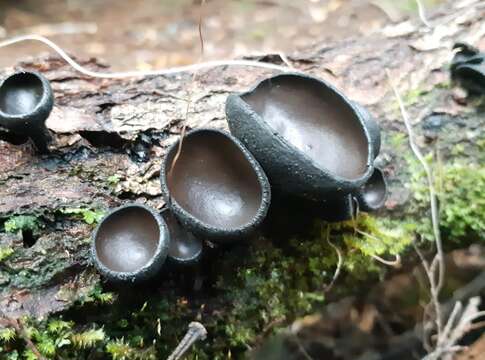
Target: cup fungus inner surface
127,240
213,181
315,120
183,244
375,189
20,94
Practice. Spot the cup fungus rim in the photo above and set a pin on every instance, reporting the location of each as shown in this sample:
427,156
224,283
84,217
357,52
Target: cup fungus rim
153,264
344,181
263,182
45,101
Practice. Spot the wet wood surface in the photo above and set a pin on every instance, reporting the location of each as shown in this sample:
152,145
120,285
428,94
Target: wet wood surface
109,137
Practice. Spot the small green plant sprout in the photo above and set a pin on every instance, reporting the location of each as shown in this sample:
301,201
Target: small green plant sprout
97,296
58,326
120,350
113,180
89,216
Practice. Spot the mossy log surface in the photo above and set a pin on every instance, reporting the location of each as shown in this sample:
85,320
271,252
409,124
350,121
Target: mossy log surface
109,137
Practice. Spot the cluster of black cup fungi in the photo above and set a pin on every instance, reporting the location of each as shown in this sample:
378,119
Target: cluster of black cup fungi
291,136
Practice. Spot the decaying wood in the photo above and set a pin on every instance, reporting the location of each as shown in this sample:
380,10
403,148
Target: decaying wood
108,127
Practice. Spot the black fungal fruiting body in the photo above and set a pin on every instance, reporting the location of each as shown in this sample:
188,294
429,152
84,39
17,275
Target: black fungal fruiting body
468,68
280,122
372,195
309,138
185,248
26,100
215,187
130,244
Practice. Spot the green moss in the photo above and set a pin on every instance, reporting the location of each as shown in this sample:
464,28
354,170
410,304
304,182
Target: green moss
413,96
97,296
5,252
120,350
260,289
89,216
7,335
22,223
113,180
460,187
87,339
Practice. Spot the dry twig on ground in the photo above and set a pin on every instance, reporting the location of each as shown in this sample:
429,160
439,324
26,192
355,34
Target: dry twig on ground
459,321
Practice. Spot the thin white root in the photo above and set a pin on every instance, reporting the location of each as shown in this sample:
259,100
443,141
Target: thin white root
397,258
129,74
339,263
394,263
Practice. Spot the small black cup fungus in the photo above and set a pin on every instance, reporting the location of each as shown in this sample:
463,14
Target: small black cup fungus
215,187
26,100
372,195
130,244
185,248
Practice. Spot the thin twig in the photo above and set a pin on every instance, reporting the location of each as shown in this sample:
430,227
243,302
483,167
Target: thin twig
437,265
189,100
302,349
422,13
429,176
201,38
457,326
424,262
285,59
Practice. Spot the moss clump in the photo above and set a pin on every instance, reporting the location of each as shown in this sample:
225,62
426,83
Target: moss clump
89,216
113,180
460,188
5,252
53,338
7,335
20,223
120,350
258,289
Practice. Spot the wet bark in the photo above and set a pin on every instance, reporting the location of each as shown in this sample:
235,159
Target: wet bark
109,136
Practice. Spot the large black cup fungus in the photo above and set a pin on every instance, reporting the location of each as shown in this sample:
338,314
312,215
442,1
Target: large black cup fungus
215,187
184,248
130,244
26,100
372,195
310,139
